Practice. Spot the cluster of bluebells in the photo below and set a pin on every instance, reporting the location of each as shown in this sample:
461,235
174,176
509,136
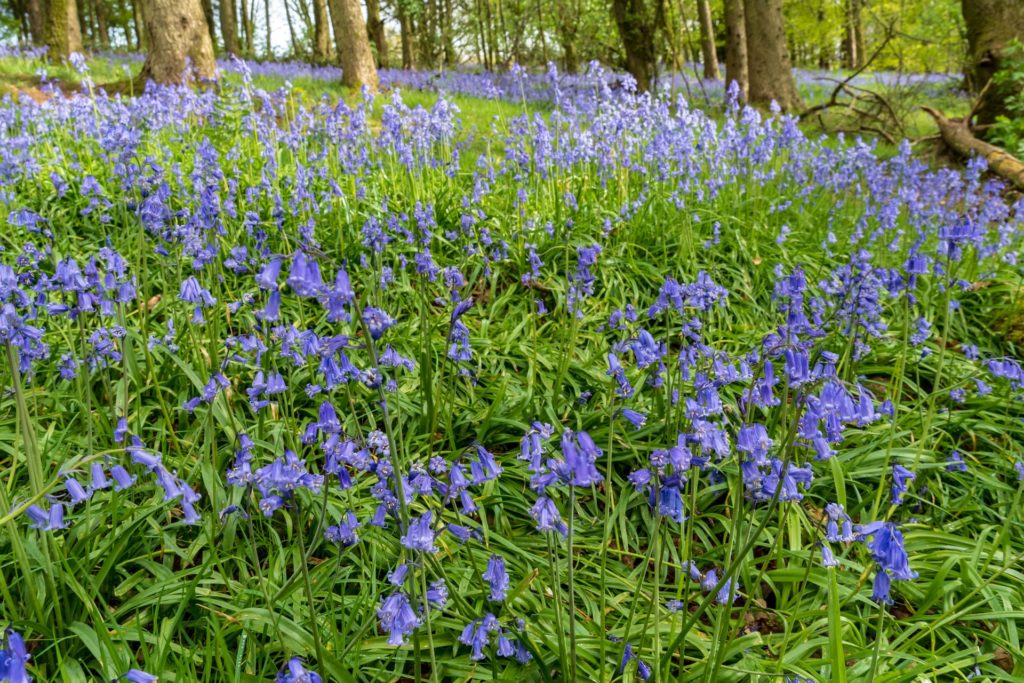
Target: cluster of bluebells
298,263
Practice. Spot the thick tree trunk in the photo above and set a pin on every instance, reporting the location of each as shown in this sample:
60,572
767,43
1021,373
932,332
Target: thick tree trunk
408,38
357,69
736,47
229,27
321,33
991,26
178,40
635,21
375,27
707,40
771,74
61,32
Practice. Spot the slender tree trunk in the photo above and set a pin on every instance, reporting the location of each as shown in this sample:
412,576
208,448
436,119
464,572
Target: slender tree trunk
266,21
229,27
140,26
991,26
707,40
635,21
736,47
541,31
321,32
567,28
852,29
179,39
102,28
408,37
86,28
771,73
291,28
447,34
357,68
375,27
247,25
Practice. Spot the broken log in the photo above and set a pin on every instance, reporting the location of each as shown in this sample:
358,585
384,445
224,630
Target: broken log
958,137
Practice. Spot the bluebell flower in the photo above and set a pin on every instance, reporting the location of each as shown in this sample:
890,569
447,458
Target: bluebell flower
138,676
296,672
14,658
377,321
547,516
43,520
397,618
420,535
634,418
956,462
76,491
496,577
901,477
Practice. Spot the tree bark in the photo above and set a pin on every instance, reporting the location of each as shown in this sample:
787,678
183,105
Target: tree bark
375,27
208,14
991,26
36,20
635,21
61,32
321,33
178,40
357,68
707,40
736,47
247,24
102,28
771,74
408,37
266,20
229,27
140,25
853,35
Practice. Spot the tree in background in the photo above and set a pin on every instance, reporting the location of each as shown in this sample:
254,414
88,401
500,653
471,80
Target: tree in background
357,67
768,65
229,27
707,40
991,26
61,32
375,29
178,40
637,27
736,63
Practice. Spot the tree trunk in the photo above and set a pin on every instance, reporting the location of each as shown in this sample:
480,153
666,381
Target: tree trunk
707,40
102,28
408,37
61,32
321,33
375,27
229,27
853,35
635,21
208,14
247,25
736,47
266,20
178,40
357,69
36,20
771,74
991,26
448,34
291,29
140,26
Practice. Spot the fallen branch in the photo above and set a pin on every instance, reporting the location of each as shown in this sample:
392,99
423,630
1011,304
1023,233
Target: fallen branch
959,138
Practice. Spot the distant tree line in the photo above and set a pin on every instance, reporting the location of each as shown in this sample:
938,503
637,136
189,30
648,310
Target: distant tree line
756,41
